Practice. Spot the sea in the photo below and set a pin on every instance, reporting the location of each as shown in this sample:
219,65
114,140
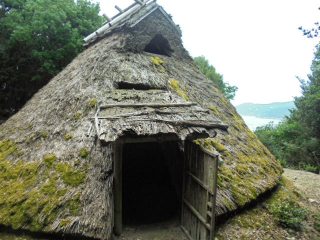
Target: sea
254,122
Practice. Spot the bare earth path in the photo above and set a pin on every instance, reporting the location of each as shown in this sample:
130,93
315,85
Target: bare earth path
308,183
161,231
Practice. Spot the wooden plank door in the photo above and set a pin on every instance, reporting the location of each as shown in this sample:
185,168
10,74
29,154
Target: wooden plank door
199,193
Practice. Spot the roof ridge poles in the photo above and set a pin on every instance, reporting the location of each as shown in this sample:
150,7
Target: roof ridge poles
109,23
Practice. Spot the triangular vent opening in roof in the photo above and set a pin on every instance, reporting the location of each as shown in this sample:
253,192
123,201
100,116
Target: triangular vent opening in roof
159,45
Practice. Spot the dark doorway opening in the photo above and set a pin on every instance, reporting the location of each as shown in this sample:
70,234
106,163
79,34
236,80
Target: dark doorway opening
152,182
159,45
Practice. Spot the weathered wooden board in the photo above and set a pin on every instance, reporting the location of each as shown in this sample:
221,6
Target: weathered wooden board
199,192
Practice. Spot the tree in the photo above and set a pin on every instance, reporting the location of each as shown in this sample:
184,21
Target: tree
308,105
38,38
210,72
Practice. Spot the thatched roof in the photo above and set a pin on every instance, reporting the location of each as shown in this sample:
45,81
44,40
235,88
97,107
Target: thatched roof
153,112
55,173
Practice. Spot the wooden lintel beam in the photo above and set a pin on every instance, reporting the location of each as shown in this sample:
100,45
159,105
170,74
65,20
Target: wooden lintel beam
165,138
188,123
157,111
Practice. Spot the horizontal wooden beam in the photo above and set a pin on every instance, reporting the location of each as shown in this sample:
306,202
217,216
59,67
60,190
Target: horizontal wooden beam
137,105
195,123
157,111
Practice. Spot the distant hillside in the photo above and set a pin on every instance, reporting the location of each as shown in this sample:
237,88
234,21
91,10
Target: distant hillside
271,110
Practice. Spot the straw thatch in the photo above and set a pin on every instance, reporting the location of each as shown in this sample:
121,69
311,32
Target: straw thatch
56,163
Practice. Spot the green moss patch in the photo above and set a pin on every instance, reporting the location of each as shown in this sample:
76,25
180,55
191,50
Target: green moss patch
32,195
210,143
43,134
84,152
92,103
77,116
49,159
68,136
74,205
175,85
157,61
214,110
70,176
249,169
7,147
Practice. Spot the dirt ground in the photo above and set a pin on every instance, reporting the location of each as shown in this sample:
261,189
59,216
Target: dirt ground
161,231
308,183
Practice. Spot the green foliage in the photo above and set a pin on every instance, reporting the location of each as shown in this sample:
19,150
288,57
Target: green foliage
38,39
291,144
289,214
311,32
210,72
285,205
311,168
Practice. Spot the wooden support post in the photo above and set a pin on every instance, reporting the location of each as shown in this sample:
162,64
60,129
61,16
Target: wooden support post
107,19
118,8
118,189
214,197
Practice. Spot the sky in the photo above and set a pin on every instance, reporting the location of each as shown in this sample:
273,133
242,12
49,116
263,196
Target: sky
254,44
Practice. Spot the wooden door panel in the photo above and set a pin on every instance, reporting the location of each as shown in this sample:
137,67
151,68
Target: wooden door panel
198,201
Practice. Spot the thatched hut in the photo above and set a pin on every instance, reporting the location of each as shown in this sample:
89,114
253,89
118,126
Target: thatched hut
134,98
